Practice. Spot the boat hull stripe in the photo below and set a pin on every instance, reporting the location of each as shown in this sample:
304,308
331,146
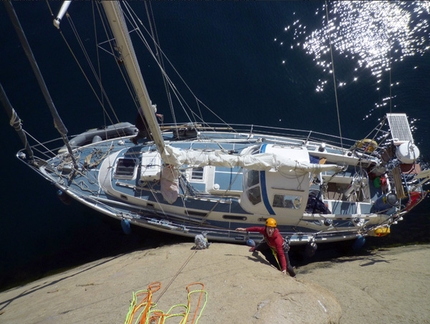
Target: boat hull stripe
264,187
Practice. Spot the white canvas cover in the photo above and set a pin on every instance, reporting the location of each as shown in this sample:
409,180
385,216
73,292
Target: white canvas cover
260,162
169,184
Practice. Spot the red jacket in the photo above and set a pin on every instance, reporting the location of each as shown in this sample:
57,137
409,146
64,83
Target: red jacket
275,242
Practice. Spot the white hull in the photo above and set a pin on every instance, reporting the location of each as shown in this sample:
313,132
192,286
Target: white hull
117,182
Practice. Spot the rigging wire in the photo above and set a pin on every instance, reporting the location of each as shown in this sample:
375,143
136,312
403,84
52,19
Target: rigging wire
98,57
132,18
135,21
391,85
74,29
152,25
110,40
98,80
334,76
100,98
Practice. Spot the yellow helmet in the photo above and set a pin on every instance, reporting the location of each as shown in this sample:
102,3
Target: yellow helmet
271,222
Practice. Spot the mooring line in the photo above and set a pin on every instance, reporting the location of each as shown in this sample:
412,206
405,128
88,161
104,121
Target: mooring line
176,275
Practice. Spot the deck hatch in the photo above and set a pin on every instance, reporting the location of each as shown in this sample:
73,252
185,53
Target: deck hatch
125,169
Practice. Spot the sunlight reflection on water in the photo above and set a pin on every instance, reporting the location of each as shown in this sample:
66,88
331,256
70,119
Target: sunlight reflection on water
372,35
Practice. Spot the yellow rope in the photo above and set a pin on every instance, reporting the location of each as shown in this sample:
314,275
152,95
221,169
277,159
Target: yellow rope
276,257
148,314
146,302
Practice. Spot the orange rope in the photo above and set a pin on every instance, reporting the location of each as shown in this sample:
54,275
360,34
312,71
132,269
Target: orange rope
146,302
201,290
149,315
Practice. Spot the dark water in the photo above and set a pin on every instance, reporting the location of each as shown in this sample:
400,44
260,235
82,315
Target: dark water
227,54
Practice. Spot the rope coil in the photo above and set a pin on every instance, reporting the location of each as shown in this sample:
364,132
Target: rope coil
145,311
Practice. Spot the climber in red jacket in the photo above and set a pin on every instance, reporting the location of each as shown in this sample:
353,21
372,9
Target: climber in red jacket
274,241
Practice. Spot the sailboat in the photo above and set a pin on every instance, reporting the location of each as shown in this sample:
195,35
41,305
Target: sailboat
195,178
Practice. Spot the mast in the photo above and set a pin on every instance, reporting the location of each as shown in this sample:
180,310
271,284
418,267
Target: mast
125,48
15,122
58,123
61,13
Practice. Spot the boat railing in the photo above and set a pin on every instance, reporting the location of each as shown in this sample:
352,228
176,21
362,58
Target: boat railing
51,148
44,150
250,130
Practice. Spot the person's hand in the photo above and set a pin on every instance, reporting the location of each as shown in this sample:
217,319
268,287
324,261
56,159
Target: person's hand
284,271
241,229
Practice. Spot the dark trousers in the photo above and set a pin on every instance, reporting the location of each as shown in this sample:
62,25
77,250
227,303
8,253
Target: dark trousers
266,250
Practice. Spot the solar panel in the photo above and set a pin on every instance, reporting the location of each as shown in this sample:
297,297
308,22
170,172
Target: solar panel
399,127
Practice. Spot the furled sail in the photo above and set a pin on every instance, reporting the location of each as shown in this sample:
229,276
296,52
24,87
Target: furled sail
260,162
